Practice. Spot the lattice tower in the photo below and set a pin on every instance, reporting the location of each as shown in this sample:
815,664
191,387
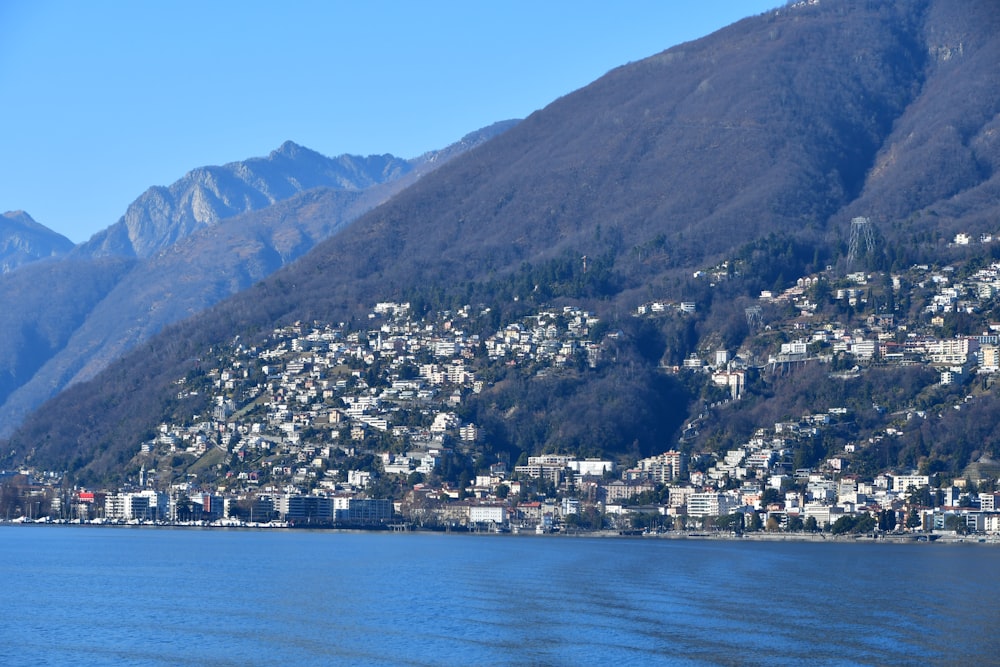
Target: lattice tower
862,238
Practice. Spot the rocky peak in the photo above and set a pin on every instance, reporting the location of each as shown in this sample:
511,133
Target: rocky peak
22,240
161,216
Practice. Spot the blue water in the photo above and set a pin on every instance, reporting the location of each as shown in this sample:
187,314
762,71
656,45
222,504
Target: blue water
121,596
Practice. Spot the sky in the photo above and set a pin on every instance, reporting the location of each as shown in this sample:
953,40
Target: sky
103,99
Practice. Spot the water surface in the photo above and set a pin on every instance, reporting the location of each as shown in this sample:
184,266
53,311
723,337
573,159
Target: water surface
143,596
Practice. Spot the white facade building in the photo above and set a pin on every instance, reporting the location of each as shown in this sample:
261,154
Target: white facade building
710,503
487,514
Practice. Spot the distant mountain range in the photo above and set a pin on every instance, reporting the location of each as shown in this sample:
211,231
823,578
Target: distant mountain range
761,141
22,241
204,197
176,251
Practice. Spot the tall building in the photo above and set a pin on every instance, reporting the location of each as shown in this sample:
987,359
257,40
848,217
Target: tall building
664,468
710,503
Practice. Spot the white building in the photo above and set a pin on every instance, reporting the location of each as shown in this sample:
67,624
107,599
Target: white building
900,483
495,514
145,505
825,515
951,350
591,467
734,380
710,503
798,347
665,467
989,359
444,421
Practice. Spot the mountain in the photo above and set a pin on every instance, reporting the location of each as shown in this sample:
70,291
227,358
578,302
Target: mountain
22,240
33,330
186,264
163,215
203,197
758,143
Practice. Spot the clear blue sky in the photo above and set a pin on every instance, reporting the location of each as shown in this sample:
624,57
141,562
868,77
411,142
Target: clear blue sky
103,98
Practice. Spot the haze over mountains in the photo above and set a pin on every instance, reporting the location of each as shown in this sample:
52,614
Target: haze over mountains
176,251
767,136
203,197
22,241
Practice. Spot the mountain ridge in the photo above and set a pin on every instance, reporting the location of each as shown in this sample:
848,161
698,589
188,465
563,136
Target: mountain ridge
205,195
23,240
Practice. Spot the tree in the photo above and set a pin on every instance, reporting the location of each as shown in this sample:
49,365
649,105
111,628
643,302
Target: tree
811,525
187,509
770,495
921,496
589,518
956,523
864,524
644,521
730,522
843,525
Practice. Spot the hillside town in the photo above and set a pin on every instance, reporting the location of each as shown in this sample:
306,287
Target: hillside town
328,426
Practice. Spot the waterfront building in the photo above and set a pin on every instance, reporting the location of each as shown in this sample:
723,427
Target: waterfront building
710,503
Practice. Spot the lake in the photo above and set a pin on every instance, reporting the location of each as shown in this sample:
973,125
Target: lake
163,596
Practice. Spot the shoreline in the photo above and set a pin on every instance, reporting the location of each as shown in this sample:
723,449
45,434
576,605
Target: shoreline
761,536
